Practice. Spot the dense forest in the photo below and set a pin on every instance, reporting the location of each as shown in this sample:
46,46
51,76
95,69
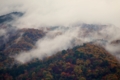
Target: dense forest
87,62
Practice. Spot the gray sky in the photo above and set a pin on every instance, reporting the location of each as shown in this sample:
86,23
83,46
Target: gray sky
63,12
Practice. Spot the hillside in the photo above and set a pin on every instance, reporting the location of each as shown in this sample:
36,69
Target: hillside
59,40
23,40
9,17
87,62
18,40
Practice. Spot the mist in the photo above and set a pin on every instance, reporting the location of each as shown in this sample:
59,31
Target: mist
2,32
63,38
69,17
50,44
39,13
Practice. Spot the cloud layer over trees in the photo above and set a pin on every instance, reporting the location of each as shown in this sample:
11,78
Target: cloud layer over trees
67,14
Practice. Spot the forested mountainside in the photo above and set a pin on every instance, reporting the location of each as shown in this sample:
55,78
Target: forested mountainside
20,40
23,40
87,62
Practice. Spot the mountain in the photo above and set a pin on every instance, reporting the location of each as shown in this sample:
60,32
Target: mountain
18,40
9,17
115,42
24,40
87,62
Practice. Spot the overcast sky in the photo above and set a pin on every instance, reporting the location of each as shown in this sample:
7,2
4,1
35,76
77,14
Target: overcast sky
63,12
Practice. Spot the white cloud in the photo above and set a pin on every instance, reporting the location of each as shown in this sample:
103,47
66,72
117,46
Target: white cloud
64,38
63,12
2,32
47,13
50,45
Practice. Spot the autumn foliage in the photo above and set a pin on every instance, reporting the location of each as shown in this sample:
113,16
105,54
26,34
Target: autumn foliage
87,62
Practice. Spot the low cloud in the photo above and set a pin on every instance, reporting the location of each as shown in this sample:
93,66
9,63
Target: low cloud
50,44
39,13
68,16
63,38
2,32
114,49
